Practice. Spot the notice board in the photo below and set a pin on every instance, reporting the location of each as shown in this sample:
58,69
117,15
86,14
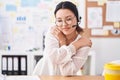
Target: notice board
97,20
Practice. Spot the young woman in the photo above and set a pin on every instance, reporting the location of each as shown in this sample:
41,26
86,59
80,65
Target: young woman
65,49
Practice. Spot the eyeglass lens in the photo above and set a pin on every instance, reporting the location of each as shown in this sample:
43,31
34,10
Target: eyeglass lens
69,20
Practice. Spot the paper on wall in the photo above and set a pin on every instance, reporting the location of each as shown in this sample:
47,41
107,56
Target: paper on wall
113,11
99,32
94,17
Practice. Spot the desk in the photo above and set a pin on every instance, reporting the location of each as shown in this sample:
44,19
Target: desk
71,78
52,78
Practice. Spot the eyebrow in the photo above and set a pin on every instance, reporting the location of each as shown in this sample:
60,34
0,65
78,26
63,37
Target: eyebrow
65,17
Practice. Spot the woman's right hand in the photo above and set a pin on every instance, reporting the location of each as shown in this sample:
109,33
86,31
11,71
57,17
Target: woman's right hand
59,35
82,42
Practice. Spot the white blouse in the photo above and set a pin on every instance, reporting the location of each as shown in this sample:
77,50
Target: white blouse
64,60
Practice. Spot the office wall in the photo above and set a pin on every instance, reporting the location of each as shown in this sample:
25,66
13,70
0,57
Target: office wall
107,49
106,44
27,20
23,22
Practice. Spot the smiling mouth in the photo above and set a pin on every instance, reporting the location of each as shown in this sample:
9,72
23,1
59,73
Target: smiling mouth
66,28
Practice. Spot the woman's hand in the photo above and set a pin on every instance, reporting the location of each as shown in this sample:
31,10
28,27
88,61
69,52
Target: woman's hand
59,35
82,42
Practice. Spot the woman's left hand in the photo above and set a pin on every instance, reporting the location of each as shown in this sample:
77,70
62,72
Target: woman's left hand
82,42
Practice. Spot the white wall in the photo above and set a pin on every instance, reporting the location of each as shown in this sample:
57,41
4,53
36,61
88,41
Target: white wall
107,49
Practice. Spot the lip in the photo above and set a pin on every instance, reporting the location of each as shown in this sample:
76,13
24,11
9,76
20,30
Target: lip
66,28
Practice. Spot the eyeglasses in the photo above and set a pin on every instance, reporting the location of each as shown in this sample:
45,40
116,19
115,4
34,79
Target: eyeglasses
68,21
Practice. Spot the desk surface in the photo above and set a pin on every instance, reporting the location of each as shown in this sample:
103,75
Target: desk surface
71,78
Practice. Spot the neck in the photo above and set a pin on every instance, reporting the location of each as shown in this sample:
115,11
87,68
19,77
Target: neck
71,37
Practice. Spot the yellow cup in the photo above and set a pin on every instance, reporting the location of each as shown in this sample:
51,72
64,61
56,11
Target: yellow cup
112,71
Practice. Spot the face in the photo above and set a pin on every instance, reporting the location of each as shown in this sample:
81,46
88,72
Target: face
65,19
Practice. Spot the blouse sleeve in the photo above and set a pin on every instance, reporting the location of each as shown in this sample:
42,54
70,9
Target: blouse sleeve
57,55
68,59
77,61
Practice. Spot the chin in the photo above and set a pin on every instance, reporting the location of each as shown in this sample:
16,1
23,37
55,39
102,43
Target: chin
66,33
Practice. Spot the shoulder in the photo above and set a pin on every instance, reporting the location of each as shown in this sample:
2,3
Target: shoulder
50,29
49,32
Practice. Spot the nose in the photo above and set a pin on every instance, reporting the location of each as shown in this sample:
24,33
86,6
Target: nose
64,23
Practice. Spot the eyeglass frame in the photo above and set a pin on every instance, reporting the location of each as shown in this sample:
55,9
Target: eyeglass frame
65,20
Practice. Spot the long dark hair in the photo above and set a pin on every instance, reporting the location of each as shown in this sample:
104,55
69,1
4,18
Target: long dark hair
69,5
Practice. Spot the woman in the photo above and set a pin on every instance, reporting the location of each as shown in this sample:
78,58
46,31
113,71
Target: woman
65,49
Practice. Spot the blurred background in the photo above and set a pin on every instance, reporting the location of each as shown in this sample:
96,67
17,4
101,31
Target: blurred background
23,24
